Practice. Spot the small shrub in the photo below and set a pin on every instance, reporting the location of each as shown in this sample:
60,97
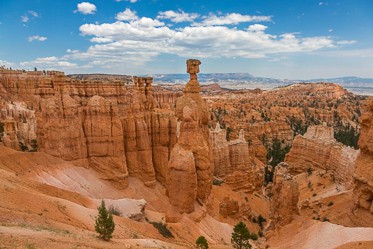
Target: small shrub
309,171
330,204
114,211
202,243
325,219
1,131
30,246
260,233
34,145
254,236
261,220
217,182
23,147
314,194
162,229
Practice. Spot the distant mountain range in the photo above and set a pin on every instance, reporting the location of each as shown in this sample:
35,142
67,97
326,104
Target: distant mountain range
362,86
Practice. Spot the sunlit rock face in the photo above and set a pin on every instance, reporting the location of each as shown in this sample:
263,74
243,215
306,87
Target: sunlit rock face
319,149
363,176
110,125
191,166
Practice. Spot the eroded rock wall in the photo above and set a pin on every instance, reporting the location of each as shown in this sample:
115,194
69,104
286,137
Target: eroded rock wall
234,163
318,149
284,197
363,175
109,125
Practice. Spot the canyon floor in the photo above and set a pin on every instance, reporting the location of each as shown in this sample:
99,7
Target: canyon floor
51,203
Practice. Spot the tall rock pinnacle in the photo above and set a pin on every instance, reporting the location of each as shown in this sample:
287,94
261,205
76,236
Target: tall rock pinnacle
190,169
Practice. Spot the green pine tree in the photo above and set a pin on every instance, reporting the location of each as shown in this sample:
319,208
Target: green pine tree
104,222
240,236
202,243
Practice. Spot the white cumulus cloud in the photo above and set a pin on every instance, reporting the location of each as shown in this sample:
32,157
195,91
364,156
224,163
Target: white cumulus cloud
257,27
177,17
4,63
29,15
233,18
86,8
126,15
135,40
139,40
36,38
49,63
346,42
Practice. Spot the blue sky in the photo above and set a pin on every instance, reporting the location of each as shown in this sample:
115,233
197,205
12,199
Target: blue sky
300,39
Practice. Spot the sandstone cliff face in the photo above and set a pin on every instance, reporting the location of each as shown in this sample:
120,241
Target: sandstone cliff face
363,175
220,148
166,99
17,125
163,140
268,130
318,148
191,167
109,125
234,163
284,200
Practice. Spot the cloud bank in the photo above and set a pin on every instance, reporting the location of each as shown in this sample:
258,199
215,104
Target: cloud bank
135,40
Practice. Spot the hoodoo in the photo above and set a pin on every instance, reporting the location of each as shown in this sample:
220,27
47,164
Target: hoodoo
190,169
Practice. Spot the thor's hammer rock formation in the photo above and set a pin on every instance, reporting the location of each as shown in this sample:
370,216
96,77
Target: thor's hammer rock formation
190,169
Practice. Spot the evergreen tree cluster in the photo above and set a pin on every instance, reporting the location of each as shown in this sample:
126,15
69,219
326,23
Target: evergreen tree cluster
276,152
347,135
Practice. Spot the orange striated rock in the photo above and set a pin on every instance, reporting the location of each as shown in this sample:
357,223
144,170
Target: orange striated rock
60,130
318,149
104,138
363,175
191,167
164,138
284,197
239,153
268,130
220,148
108,124
233,162
228,207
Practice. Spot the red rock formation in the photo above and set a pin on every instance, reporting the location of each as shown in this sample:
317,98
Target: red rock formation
191,165
234,163
363,175
163,140
239,154
318,149
220,148
109,125
284,197
228,207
